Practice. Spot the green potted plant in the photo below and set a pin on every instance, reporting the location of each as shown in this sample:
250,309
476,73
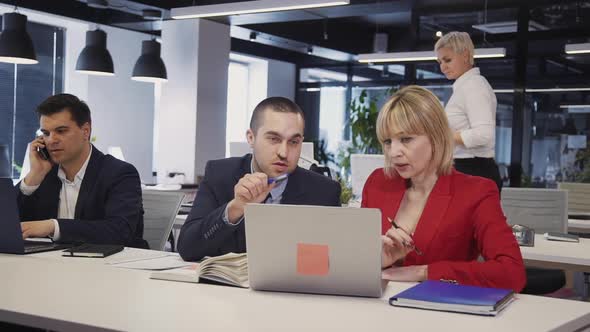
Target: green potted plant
364,111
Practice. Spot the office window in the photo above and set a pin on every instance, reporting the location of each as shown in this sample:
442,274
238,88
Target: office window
247,85
23,87
332,117
238,114
558,139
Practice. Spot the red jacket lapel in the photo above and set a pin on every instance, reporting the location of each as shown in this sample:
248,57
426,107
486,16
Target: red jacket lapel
433,213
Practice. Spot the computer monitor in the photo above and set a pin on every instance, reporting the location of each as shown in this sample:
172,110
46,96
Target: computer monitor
361,166
5,169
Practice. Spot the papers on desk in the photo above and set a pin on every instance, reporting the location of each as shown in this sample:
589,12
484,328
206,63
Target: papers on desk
155,264
134,254
143,259
443,296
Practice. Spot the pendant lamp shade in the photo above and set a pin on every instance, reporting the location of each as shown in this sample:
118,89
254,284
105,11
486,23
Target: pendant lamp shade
95,59
149,66
16,45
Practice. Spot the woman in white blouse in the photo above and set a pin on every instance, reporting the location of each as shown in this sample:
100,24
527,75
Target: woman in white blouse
471,110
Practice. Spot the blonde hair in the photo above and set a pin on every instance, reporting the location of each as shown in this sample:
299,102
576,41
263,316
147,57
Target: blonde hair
414,110
457,41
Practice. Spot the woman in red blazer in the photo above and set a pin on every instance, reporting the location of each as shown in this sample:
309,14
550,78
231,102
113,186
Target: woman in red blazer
436,221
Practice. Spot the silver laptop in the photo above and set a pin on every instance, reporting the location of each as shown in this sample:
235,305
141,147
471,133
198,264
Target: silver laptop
314,249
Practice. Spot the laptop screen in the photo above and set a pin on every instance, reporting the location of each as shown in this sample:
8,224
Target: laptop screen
10,232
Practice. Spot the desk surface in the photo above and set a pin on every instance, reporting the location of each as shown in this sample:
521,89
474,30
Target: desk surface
579,224
558,252
91,296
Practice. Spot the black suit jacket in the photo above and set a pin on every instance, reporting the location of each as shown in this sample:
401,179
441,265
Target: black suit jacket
206,234
109,209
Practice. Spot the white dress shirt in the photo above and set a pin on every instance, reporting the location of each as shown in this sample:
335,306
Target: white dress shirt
68,195
472,111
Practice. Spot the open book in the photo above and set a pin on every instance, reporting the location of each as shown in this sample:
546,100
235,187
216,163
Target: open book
230,269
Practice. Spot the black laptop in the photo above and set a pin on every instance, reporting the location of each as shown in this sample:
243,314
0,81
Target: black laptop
11,240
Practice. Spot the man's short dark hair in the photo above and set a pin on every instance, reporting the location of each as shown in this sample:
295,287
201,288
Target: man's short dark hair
276,104
66,102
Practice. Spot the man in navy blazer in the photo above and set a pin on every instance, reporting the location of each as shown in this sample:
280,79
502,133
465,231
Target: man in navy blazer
215,225
75,193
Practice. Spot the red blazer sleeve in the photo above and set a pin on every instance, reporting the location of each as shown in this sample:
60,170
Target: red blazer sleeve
503,266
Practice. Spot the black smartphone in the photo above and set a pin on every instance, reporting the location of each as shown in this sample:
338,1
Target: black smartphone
44,153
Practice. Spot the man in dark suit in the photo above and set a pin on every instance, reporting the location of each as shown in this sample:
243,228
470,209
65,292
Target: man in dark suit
75,193
215,225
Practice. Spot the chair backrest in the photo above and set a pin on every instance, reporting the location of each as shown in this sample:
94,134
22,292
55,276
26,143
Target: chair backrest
160,210
578,196
361,166
544,210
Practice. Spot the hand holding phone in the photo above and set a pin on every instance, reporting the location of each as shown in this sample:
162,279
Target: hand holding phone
40,147
40,161
43,153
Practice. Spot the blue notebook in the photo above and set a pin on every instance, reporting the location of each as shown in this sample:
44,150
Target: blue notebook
443,296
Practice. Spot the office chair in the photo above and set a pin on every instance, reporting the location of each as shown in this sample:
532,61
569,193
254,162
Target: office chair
578,198
160,210
324,170
544,210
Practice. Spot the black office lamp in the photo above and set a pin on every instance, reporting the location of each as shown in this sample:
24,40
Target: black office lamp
149,66
5,167
95,59
16,45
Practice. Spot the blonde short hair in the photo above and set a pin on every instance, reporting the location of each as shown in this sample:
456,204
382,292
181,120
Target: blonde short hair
459,42
414,110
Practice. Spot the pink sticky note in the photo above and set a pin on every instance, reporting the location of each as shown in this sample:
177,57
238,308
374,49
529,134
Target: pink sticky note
313,259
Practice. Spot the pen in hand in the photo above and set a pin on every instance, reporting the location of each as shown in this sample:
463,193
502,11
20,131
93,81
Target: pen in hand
278,178
396,226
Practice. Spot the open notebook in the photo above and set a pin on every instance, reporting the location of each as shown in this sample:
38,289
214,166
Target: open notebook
230,269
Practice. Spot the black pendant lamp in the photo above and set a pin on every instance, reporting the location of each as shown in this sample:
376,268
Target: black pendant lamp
95,59
16,45
150,67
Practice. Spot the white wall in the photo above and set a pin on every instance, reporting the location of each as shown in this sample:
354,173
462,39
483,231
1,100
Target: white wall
266,78
177,116
191,116
122,109
213,55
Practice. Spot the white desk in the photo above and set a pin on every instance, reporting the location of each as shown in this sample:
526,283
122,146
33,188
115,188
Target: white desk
179,221
578,225
66,295
566,255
